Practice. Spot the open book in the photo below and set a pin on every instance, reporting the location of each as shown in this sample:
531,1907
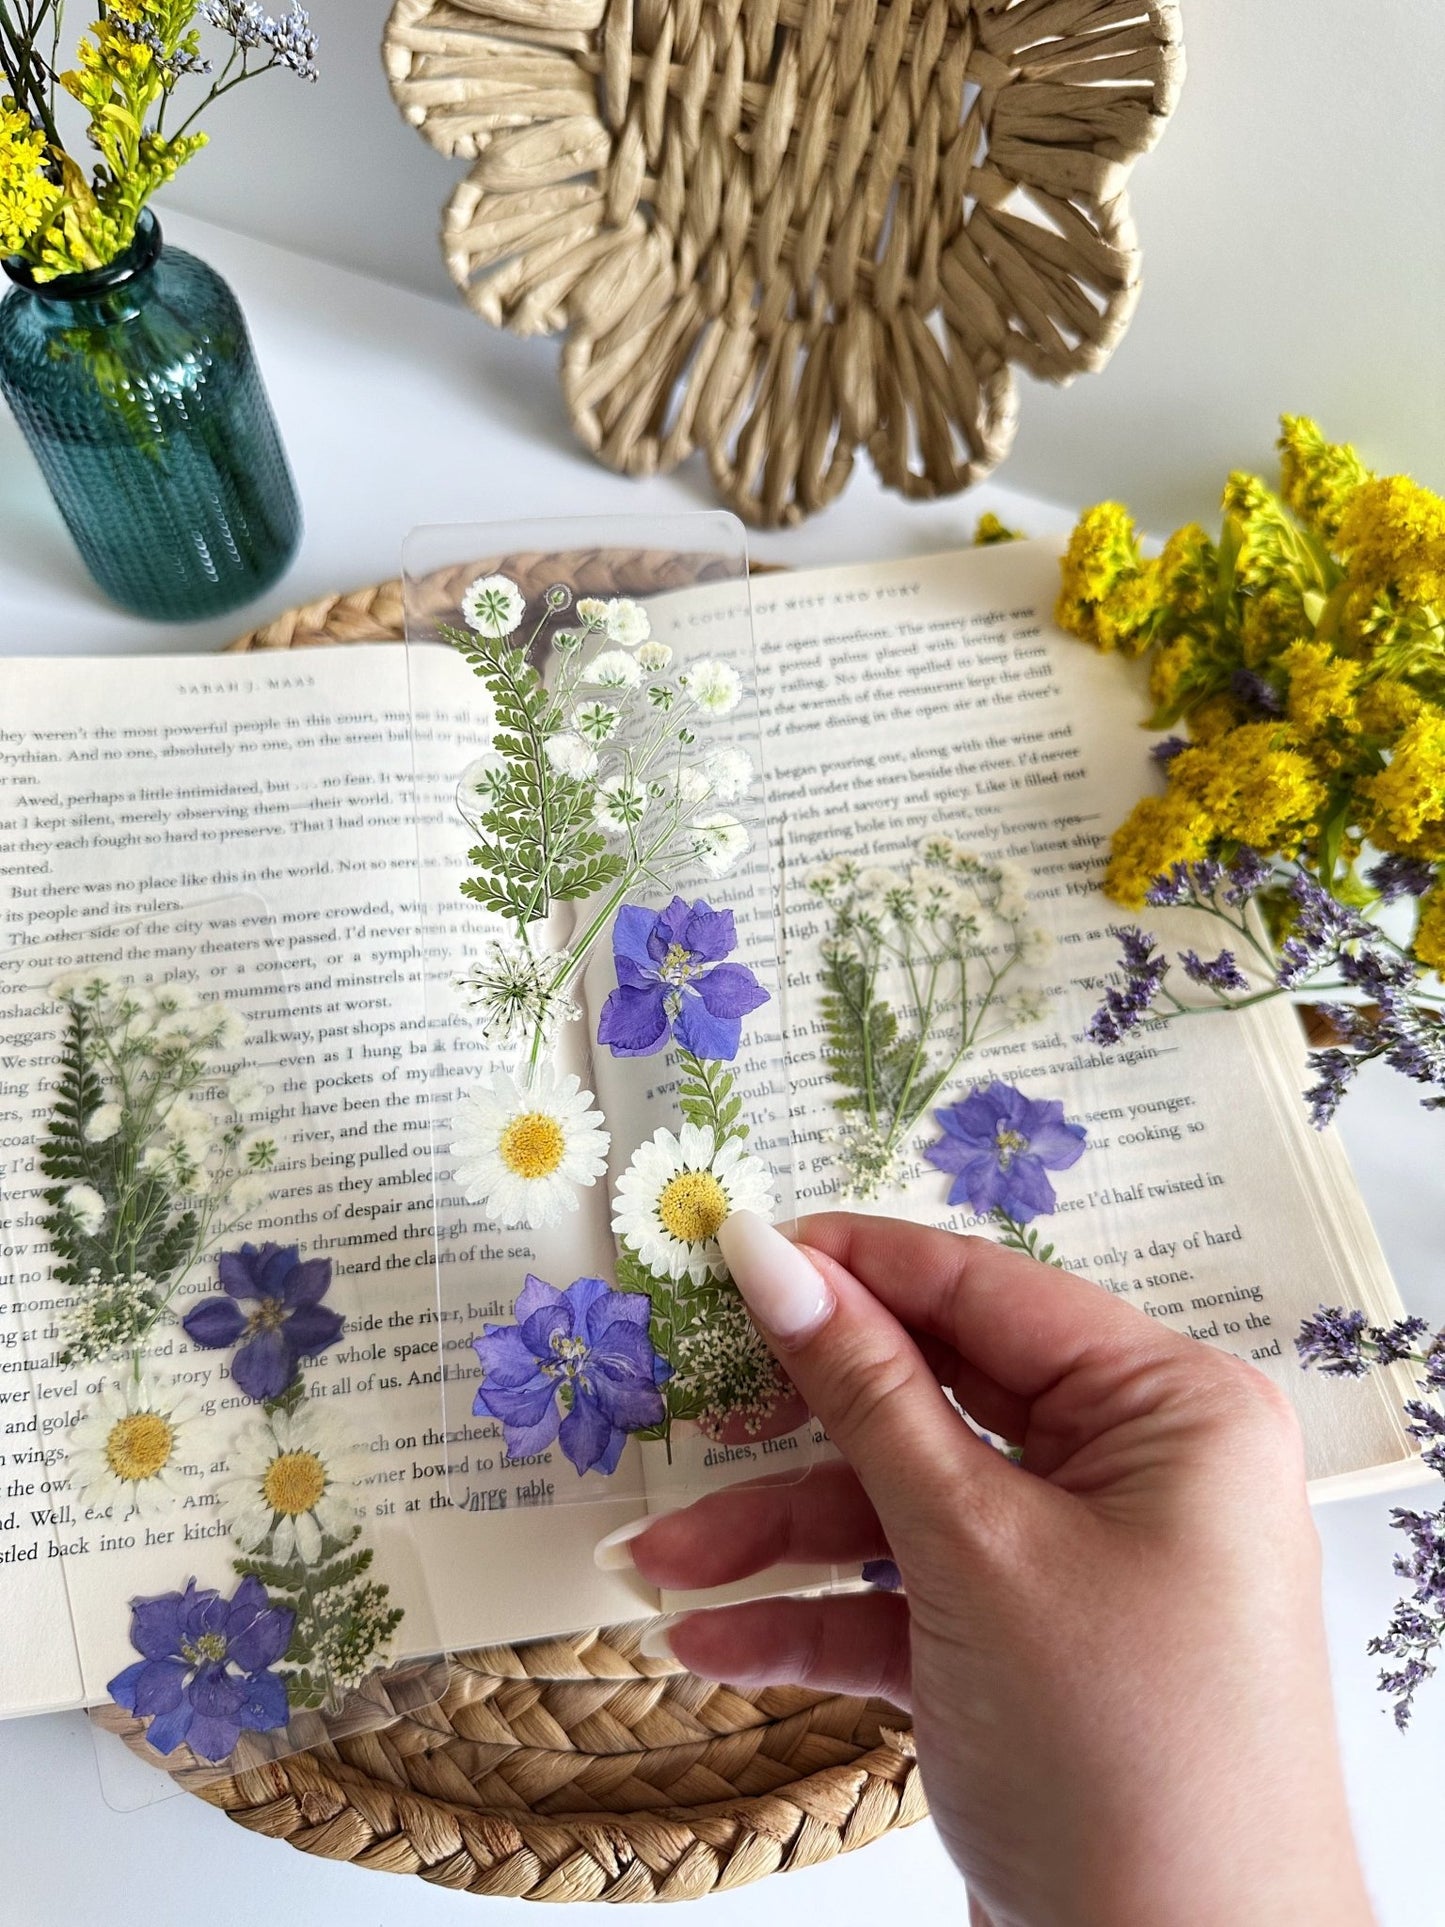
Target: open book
894,699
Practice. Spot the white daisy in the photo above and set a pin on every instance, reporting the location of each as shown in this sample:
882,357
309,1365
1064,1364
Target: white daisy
86,1206
523,1149
627,622
293,1485
653,656
715,687
719,842
129,1449
493,606
103,1123
613,669
620,804
596,722
570,756
675,1194
730,771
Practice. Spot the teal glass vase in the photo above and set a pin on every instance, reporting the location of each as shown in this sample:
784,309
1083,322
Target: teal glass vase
138,391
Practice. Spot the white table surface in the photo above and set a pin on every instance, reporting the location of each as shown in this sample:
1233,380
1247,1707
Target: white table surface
399,409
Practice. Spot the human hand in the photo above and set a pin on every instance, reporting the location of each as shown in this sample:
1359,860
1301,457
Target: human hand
1114,1653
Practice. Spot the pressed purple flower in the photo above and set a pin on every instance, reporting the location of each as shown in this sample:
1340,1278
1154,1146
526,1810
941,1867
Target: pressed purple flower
1400,876
204,1676
672,980
1221,973
1125,1007
999,1147
578,1368
1250,688
1334,1340
271,1312
1166,751
1246,876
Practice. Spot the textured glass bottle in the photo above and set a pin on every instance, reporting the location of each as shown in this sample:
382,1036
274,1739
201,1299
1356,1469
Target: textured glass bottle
138,391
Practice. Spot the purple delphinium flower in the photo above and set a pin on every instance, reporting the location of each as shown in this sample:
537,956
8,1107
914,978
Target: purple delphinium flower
1221,973
204,1676
999,1145
1400,876
578,1367
1145,969
272,1313
671,978
884,1574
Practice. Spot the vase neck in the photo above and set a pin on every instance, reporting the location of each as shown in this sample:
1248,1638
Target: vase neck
128,267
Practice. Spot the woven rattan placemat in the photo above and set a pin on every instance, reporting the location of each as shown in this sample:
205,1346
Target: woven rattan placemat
575,1769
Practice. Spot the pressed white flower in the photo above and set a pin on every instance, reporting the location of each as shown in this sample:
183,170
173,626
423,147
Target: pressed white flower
259,1151
675,1194
481,781
613,669
130,1448
878,882
292,1485
246,1193
731,772
566,640
592,609
523,1149
693,785
937,847
714,686
620,804
570,756
719,842
103,1123
518,994
653,656
830,878
247,1093
107,1318
596,722
86,1206
493,606
627,622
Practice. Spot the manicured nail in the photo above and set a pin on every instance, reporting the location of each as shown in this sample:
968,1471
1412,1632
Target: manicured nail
656,1640
614,1553
784,1291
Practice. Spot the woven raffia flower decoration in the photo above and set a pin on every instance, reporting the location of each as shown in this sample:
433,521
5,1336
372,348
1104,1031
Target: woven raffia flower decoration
782,230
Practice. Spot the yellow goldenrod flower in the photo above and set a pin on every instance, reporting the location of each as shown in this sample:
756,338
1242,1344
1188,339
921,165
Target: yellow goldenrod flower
1404,806
1214,718
1317,477
1429,944
1253,785
1387,706
1105,596
1392,536
26,196
1159,832
991,530
1322,688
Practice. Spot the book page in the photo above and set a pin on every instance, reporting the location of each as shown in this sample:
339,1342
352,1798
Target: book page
938,694
131,790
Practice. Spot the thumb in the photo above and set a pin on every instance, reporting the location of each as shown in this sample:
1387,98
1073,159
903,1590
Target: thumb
864,1378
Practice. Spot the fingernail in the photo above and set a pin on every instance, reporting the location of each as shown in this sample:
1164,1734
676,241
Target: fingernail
656,1640
614,1553
783,1289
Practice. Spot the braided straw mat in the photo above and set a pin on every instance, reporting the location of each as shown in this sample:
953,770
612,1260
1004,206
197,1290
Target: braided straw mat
784,230
573,1768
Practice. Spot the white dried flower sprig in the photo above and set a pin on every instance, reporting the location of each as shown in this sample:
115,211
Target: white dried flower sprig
920,967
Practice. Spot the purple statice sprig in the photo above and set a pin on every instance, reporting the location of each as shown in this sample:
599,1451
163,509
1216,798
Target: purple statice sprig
1344,1344
1329,948
290,41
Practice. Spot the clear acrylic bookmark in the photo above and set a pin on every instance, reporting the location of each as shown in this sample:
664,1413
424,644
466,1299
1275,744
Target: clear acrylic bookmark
605,1006
237,1585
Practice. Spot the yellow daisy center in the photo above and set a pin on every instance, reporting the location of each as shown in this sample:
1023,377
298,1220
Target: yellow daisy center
533,1145
294,1483
140,1446
692,1207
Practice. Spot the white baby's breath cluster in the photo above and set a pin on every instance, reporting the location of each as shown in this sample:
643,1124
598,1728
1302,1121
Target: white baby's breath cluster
724,1370
110,1317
